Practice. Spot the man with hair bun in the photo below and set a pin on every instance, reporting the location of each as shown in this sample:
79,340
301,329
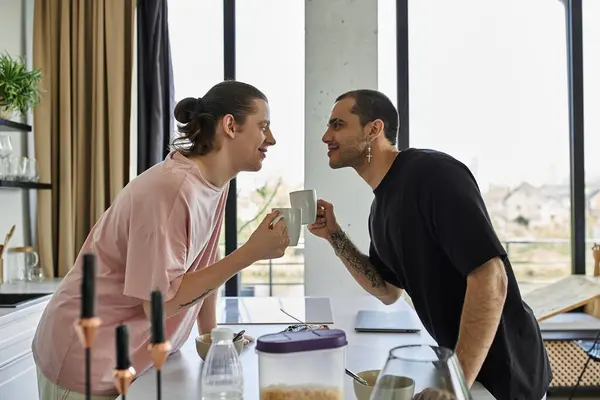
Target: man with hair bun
162,232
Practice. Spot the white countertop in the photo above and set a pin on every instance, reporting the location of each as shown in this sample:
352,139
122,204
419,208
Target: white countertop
7,315
46,286
181,375
267,310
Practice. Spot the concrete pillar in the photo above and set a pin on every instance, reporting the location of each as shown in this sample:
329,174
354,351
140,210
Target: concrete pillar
341,55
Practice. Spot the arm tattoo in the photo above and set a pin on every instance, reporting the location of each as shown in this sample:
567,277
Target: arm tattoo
194,300
359,262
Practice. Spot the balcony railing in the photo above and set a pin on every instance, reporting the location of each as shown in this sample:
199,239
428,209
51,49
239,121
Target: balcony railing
531,241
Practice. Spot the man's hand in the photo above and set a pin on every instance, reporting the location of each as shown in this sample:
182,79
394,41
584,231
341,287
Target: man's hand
270,239
482,309
325,224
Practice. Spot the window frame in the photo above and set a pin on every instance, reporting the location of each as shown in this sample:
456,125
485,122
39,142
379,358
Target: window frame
574,32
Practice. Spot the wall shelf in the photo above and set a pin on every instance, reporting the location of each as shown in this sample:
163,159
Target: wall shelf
7,125
25,185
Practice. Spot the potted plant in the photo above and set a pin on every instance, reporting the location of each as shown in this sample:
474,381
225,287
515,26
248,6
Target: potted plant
18,86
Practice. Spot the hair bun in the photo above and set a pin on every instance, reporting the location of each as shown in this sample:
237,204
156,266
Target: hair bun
184,110
199,105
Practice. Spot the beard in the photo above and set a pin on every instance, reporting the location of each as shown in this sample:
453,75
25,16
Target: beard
353,158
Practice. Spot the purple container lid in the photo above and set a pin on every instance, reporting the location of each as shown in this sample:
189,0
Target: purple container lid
293,342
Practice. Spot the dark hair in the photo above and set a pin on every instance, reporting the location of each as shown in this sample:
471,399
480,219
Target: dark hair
198,117
371,105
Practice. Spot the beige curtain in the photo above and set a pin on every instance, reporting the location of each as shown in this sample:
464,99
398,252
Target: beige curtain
82,126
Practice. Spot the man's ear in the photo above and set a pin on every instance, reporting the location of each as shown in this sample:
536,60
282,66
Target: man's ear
228,123
376,129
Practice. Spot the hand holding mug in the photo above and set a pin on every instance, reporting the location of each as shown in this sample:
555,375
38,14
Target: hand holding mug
326,222
270,239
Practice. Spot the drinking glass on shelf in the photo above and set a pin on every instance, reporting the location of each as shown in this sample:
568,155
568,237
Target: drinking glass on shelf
6,150
13,168
421,371
31,171
21,169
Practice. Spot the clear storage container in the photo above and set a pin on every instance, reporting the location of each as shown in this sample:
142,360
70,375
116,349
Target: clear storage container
302,365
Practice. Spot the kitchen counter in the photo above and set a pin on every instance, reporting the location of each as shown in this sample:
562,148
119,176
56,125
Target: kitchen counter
181,375
17,328
267,310
46,287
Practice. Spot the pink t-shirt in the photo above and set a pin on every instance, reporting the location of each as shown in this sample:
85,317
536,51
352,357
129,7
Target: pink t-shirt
164,223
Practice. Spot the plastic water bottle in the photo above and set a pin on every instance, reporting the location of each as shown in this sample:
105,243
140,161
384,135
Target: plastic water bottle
222,376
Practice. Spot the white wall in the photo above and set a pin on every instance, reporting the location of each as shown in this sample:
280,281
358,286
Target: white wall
341,55
15,39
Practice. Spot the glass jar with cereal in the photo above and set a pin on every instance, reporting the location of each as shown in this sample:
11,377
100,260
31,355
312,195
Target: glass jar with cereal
302,365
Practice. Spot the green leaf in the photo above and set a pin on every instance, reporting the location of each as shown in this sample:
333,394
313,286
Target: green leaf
18,87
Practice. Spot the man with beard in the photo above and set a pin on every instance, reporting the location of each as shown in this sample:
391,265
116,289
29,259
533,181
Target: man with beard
431,235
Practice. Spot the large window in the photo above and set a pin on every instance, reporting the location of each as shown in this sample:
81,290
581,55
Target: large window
196,36
591,75
270,55
485,85
386,49
197,61
490,87
269,46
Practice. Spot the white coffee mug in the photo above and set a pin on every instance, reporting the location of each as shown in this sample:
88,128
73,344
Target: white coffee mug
293,222
306,200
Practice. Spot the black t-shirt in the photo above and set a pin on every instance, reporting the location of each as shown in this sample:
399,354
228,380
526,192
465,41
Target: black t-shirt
429,229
